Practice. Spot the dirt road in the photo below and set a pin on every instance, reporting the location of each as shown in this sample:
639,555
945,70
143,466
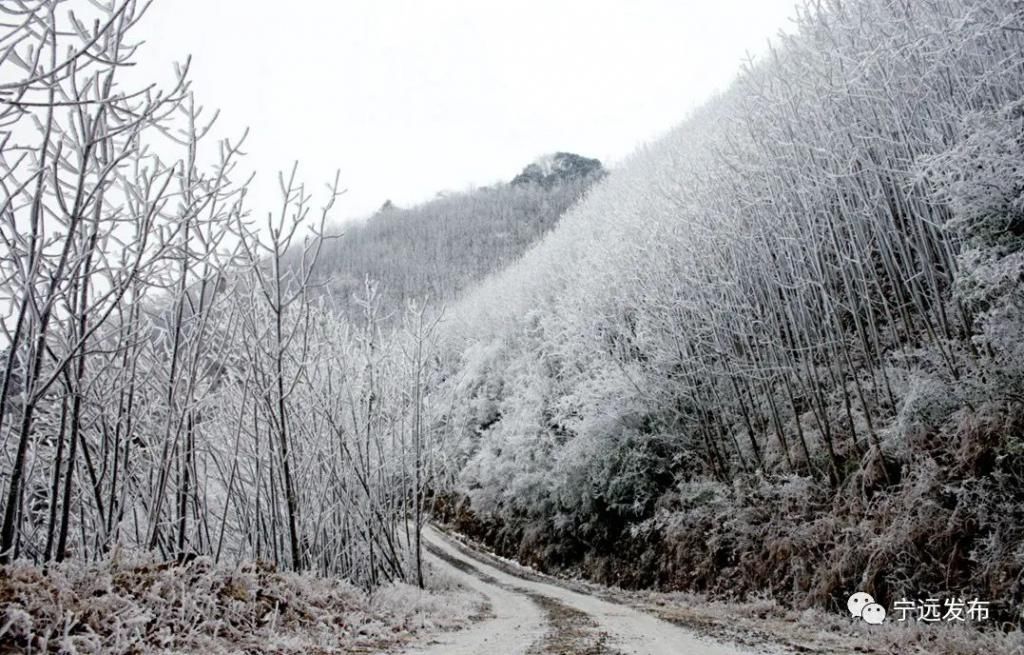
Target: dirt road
532,617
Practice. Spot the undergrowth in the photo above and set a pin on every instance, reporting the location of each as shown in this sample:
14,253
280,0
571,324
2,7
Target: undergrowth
935,511
133,604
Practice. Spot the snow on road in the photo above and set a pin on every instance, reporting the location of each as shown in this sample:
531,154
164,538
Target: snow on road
534,618
516,622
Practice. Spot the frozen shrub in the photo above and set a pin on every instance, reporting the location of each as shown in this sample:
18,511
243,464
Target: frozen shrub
140,605
928,403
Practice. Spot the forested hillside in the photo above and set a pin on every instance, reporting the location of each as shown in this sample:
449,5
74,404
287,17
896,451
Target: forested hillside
781,350
190,430
775,357
434,251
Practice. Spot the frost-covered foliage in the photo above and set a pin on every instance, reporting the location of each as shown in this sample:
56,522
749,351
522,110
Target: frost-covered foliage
168,382
808,295
981,177
136,605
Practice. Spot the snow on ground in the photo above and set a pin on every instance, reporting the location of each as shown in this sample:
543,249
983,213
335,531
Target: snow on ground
576,622
820,632
764,626
475,604
514,622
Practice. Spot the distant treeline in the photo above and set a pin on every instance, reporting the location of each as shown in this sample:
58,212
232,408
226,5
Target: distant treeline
434,251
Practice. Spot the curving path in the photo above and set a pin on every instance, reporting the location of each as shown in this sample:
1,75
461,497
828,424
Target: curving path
532,617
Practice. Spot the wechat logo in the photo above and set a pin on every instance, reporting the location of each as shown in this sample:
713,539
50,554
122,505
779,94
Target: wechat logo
863,606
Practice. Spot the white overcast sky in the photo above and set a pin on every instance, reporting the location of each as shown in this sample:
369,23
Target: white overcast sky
407,98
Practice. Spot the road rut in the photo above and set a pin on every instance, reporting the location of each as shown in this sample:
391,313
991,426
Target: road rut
532,617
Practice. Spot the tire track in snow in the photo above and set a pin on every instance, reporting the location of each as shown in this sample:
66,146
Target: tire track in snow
570,631
578,623
566,630
515,623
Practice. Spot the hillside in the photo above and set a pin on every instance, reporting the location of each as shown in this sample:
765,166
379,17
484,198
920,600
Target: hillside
781,351
764,377
436,250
